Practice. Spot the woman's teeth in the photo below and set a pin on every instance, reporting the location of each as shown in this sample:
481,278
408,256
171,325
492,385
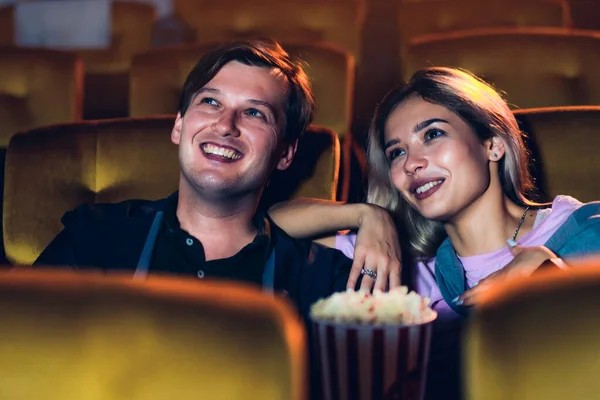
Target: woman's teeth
427,186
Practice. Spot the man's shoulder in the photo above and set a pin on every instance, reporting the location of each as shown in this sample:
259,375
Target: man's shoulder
111,213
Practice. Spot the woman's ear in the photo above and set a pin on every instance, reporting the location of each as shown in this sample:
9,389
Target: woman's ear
495,149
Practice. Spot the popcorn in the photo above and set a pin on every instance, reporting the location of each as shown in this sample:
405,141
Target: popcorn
398,306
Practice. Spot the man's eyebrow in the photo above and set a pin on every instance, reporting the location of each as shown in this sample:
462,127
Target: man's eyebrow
208,90
422,125
264,104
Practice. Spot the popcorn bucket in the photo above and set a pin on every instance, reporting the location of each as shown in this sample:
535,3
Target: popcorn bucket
372,362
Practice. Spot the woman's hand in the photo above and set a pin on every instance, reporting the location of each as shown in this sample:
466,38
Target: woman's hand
377,249
527,260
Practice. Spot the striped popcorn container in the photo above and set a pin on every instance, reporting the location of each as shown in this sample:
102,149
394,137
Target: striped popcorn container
372,362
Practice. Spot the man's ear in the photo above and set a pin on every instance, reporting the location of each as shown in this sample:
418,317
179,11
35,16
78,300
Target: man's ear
176,131
495,149
289,151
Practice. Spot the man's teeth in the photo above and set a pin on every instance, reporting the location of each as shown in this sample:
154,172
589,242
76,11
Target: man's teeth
427,186
220,151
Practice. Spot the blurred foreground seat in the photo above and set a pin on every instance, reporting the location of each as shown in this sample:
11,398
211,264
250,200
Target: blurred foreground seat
72,336
565,142
51,170
537,338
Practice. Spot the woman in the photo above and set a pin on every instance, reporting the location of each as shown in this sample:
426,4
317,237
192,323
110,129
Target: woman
448,161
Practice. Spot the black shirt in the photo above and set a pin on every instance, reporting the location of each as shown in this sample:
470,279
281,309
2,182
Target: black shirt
178,252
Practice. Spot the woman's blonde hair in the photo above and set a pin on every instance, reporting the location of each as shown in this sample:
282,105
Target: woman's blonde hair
483,109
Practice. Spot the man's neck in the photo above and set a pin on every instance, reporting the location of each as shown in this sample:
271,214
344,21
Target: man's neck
223,229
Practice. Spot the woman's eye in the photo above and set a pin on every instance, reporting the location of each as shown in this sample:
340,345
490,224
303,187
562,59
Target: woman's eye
253,112
432,134
394,153
211,101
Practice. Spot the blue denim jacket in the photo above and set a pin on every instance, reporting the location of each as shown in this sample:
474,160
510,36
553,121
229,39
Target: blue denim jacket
578,236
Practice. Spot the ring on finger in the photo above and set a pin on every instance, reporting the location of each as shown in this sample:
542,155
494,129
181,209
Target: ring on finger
369,272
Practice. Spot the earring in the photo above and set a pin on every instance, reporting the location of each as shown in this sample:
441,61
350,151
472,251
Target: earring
495,155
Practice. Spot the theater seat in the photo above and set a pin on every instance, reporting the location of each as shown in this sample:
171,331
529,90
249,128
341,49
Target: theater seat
157,77
566,140
537,338
107,71
38,87
439,16
338,22
7,25
131,32
51,170
74,336
585,14
536,67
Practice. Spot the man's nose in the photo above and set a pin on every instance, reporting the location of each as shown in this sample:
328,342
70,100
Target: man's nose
226,124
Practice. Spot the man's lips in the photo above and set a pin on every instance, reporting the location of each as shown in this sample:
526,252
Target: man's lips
220,151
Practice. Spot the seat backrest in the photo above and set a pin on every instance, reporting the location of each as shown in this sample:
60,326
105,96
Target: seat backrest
536,67
584,14
566,139
7,25
439,16
537,338
51,170
72,336
338,22
157,76
38,87
131,33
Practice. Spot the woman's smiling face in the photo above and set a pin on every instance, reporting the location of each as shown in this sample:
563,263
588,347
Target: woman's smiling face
438,164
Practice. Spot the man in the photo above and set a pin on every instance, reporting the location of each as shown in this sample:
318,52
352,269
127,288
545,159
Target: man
241,112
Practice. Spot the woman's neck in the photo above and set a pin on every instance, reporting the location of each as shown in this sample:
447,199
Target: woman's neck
486,224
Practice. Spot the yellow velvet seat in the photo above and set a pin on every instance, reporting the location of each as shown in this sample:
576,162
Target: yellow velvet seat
536,67
537,338
51,170
567,140
157,76
7,25
107,70
439,16
84,336
338,22
38,87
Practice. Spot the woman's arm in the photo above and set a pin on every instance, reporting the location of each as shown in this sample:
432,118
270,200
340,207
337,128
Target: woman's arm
315,218
377,246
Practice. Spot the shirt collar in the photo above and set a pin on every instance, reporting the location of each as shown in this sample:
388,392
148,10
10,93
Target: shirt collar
260,220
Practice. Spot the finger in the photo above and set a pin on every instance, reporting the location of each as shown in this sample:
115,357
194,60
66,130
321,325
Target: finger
357,264
395,274
469,297
368,282
515,250
382,276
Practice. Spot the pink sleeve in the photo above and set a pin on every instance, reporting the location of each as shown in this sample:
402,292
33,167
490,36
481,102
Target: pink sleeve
345,244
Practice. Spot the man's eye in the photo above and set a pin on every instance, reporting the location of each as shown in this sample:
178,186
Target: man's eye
432,134
211,101
253,112
394,153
